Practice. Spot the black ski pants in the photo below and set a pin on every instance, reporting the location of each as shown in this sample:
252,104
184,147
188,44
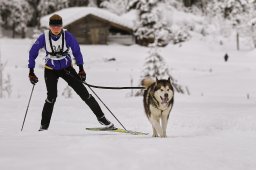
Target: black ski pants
71,77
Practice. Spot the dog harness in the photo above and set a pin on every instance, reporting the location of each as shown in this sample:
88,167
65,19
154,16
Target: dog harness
155,103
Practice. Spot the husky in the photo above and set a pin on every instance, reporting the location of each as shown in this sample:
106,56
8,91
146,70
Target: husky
158,101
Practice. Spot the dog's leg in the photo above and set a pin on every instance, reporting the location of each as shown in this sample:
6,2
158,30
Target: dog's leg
154,132
164,121
156,124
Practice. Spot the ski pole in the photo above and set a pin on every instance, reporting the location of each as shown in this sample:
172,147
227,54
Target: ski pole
106,107
68,73
27,107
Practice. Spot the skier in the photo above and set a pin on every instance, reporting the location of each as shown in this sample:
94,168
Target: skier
57,42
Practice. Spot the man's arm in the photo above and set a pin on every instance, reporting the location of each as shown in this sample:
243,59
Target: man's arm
33,53
73,44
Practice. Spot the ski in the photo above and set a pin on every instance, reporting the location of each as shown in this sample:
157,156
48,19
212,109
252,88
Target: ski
118,130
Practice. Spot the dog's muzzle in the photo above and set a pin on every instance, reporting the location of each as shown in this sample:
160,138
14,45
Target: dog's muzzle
165,99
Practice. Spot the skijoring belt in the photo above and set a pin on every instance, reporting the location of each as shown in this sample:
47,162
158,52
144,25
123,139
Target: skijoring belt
52,57
57,56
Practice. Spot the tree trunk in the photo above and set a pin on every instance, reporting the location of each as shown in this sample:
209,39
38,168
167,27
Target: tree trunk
23,33
13,30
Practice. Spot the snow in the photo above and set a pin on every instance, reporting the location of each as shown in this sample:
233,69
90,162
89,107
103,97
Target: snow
214,128
179,18
70,15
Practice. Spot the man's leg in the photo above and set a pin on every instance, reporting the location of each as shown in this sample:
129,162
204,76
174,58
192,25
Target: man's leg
73,81
51,80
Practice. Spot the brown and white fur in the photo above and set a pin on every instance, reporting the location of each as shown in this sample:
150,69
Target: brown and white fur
158,101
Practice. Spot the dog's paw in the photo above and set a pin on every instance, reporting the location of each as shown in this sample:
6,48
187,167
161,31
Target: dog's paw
154,135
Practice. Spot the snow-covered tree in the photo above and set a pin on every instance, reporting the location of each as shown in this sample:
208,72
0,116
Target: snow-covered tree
151,26
73,3
231,17
7,86
156,67
94,3
15,15
67,92
252,22
233,10
5,83
35,12
50,6
236,11
116,6
188,3
1,75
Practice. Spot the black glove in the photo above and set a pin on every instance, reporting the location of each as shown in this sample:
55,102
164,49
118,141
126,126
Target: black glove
32,77
82,75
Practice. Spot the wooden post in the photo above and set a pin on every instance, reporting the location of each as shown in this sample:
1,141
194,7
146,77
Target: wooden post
237,41
131,86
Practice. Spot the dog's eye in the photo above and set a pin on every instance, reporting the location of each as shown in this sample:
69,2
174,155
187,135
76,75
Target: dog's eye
161,89
168,89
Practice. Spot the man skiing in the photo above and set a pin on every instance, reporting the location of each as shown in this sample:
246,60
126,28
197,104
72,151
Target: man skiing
57,42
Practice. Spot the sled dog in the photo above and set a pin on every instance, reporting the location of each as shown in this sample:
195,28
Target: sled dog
158,100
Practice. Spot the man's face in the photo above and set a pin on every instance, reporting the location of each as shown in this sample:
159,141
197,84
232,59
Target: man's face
56,29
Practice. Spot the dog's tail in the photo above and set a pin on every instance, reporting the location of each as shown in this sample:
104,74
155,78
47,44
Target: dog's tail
147,81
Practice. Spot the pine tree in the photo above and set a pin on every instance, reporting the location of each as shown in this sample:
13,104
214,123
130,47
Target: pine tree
94,3
155,67
151,27
73,3
235,10
116,6
51,6
15,15
232,15
67,92
1,74
5,84
35,13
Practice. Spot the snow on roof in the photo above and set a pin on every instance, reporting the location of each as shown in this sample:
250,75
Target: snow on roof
69,15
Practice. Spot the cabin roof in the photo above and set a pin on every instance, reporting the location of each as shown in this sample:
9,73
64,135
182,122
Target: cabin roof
70,15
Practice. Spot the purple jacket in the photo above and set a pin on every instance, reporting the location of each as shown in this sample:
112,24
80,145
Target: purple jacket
56,64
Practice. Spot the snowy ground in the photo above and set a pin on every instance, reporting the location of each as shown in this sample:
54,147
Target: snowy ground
212,129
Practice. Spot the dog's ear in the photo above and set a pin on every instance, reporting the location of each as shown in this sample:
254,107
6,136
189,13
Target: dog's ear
156,81
169,79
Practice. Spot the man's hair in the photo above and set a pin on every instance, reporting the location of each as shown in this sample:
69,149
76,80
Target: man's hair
55,20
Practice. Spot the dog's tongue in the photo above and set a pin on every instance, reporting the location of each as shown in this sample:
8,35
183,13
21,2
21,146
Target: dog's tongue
164,100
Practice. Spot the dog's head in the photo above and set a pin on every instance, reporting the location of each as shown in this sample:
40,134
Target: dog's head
163,91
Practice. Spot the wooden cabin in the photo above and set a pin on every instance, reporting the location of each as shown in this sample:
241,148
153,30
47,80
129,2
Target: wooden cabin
95,26
95,30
